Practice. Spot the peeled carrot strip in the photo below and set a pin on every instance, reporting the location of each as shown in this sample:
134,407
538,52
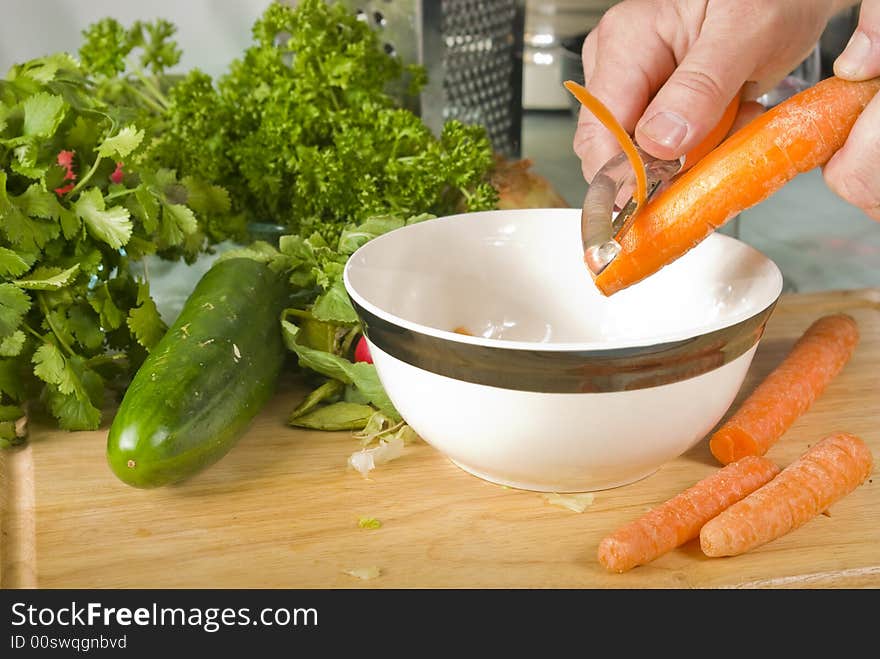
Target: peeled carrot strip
826,473
794,137
679,519
785,394
603,114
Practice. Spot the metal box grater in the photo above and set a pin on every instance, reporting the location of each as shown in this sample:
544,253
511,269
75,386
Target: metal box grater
472,51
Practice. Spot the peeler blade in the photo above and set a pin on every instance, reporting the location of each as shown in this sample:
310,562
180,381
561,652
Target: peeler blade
601,229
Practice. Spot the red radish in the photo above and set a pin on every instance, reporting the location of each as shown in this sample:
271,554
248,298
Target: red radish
117,174
362,351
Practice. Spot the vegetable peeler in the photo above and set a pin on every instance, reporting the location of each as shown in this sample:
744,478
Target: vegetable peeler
601,229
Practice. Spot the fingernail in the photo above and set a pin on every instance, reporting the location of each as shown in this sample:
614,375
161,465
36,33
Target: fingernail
665,128
854,57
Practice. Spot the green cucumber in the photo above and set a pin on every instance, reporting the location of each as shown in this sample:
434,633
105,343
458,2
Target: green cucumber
201,385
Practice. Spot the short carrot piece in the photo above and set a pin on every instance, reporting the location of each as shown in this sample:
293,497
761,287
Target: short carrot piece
789,391
679,519
824,474
796,136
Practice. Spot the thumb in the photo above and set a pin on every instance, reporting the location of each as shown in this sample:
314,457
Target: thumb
860,60
692,101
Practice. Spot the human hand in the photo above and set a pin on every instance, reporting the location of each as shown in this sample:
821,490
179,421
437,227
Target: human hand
852,171
668,68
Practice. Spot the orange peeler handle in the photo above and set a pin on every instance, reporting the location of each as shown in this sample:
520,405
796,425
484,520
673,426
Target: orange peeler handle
715,136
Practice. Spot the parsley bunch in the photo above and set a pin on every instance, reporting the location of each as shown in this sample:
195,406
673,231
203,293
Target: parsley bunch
79,207
303,132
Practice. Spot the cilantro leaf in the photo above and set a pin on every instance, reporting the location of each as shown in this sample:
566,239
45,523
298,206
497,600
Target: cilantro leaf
11,263
29,235
75,411
14,304
85,327
48,278
144,320
12,345
11,381
42,114
121,144
111,226
51,367
178,222
100,300
147,208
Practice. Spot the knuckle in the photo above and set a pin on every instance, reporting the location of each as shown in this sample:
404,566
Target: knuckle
614,21
701,84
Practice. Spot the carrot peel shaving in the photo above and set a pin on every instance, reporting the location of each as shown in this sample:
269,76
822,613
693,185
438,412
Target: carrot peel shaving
607,119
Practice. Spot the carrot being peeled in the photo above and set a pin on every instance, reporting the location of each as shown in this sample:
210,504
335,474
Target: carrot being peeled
824,474
679,519
607,119
796,136
788,391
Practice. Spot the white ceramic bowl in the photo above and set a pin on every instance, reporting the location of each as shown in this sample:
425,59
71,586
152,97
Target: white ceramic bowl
559,388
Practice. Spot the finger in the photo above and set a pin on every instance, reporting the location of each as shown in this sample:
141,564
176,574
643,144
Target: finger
860,60
693,100
619,78
851,173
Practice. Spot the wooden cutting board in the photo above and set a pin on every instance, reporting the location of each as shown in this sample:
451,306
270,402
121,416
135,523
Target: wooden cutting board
281,509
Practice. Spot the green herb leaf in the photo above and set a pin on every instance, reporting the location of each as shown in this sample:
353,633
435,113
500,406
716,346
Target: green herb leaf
84,325
148,206
101,301
353,238
51,367
326,392
121,144
74,412
335,306
111,226
42,114
14,304
361,375
11,381
178,222
144,321
336,416
48,278
10,346
12,264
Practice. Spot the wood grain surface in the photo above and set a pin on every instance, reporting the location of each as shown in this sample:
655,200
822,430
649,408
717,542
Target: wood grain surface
281,509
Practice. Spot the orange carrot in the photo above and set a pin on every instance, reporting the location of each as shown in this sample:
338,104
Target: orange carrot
715,136
824,474
607,119
794,137
679,519
785,394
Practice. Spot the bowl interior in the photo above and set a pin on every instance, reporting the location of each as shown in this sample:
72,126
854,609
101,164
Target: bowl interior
517,279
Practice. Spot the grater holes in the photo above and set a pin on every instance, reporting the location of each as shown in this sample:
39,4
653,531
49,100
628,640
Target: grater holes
379,19
389,49
361,15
